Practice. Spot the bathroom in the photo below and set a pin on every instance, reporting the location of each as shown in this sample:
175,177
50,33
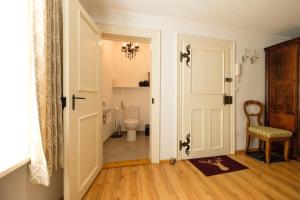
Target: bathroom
126,94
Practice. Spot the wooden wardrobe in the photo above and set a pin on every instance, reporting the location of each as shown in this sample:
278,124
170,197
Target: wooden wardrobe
283,89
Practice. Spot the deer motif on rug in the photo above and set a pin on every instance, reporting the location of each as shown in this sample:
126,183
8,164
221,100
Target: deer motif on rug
217,162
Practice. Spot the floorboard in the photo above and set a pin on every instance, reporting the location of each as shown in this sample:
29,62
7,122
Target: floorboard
185,182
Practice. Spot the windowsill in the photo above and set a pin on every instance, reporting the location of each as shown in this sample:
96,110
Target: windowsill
14,167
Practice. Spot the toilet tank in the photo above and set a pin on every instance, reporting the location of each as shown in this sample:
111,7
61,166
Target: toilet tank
132,112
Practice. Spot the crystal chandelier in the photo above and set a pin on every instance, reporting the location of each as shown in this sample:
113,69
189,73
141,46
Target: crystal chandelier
130,49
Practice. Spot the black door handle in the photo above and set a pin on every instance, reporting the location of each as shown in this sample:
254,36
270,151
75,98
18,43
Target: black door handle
73,100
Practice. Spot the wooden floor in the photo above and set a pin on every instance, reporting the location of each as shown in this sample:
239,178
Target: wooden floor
183,181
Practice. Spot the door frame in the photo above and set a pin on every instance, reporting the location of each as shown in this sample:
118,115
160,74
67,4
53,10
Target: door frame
154,35
184,37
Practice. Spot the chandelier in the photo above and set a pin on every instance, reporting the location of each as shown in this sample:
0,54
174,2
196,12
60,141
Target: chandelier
130,49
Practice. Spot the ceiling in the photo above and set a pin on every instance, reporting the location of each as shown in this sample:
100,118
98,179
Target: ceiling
274,17
123,38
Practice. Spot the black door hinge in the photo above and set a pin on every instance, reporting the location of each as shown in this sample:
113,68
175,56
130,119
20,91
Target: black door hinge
186,55
63,101
185,144
152,100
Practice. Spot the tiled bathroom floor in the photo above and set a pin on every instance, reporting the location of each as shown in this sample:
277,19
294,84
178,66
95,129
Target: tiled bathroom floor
119,149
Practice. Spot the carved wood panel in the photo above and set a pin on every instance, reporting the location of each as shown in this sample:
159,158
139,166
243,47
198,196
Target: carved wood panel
282,92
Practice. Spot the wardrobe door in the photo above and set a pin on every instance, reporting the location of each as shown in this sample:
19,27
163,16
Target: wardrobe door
282,87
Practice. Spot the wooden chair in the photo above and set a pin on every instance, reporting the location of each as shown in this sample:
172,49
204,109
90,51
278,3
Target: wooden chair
263,133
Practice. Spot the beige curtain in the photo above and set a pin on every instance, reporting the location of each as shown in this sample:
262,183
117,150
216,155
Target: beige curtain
47,142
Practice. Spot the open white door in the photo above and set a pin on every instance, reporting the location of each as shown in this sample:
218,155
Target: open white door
205,78
83,114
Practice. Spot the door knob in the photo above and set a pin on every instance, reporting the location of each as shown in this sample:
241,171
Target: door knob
74,99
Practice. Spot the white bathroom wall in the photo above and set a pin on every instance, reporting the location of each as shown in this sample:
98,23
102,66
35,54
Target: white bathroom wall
107,71
129,72
107,92
251,85
126,74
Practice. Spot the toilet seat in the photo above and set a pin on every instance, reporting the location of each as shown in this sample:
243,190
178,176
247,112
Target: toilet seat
131,126
131,121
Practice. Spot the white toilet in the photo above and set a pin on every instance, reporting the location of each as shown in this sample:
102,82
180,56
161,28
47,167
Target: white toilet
132,121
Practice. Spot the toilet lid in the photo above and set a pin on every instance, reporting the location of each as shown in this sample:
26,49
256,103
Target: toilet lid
131,121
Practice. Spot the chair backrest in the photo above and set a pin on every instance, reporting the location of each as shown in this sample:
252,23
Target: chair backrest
258,115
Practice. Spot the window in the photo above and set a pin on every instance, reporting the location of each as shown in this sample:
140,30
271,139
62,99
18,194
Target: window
14,84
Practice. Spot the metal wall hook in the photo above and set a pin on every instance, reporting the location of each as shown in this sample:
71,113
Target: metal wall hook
245,57
253,58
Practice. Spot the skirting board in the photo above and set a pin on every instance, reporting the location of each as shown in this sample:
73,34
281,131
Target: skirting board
130,163
126,163
243,151
164,161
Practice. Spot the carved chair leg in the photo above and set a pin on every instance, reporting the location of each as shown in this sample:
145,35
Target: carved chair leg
248,138
286,149
268,149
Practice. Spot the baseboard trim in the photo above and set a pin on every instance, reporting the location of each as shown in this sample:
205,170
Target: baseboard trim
243,151
131,163
126,163
164,161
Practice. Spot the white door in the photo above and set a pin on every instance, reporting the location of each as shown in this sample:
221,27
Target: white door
205,122
83,115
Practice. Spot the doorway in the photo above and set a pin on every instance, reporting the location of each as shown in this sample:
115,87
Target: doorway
206,111
126,93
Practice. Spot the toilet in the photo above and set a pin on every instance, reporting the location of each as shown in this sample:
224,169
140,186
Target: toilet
132,121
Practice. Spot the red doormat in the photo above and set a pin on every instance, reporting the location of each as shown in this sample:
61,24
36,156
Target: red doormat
217,165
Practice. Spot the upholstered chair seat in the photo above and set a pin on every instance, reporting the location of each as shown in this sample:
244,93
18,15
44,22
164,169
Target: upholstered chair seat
269,132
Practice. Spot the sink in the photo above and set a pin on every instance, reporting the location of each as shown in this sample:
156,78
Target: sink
106,110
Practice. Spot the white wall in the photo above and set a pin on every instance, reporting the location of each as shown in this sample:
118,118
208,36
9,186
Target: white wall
124,72
130,72
107,84
107,71
16,186
252,82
